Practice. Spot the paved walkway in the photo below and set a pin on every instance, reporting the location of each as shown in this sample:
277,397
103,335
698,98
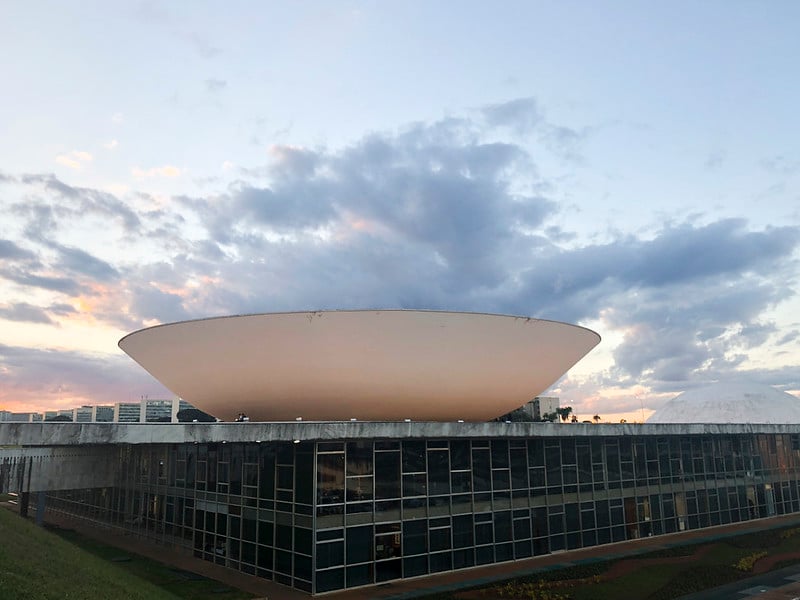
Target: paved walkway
416,588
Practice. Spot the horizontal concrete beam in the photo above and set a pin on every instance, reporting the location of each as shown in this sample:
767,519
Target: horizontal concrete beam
79,434
34,469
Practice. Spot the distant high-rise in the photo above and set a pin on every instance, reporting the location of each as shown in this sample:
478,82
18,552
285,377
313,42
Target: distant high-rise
127,412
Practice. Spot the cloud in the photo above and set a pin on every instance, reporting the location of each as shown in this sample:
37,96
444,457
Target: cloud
9,250
452,214
42,377
521,115
111,144
204,47
215,85
23,311
781,165
63,285
74,160
165,171
150,303
524,118
75,260
78,203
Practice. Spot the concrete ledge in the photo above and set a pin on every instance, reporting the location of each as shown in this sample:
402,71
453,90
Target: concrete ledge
73,434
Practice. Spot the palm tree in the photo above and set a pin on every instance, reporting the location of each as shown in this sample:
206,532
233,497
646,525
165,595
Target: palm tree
596,418
564,412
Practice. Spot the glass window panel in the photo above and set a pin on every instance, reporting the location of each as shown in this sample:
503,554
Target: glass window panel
501,479
265,532
285,477
413,456
389,569
462,531
519,470
568,456
536,452
439,539
415,485
330,534
304,482
359,544
283,537
330,478
387,475
359,458
415,537
303,540
499,454
438,472
459,455
283,562
359,488
481,471
461,482
330,554
502,526
441,561
483,534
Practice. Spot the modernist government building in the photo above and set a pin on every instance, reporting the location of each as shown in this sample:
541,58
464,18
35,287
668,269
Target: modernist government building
370,454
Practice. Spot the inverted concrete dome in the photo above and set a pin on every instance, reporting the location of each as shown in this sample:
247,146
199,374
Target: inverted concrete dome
378,365
730,402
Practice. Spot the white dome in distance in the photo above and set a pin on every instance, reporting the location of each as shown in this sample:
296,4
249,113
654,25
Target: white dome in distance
730,402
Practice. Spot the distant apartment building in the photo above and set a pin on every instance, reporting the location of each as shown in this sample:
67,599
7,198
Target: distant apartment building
157,410
103,414
19,417
147,410
82,414
543,405
127,412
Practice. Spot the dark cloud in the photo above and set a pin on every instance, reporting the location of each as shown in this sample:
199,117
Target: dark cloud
723,247
23,311
63,285
78,202
75,260
12,251
789,337
61,309
149,303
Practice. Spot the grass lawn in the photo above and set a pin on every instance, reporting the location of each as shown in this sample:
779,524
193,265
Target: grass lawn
180,583
36,563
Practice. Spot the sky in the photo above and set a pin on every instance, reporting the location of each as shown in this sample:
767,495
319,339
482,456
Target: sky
632,167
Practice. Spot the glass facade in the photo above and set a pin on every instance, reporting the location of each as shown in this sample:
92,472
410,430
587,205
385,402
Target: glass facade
328,515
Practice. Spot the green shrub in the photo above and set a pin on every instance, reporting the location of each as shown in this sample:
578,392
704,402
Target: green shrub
746,563
788,533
